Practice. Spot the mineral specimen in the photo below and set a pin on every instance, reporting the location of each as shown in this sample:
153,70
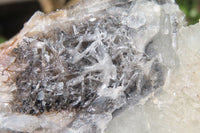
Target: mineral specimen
72,71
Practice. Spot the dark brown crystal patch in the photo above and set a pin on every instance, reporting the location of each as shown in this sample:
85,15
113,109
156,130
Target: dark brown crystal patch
46,83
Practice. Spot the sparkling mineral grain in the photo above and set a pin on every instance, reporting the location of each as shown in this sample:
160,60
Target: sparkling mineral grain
74,71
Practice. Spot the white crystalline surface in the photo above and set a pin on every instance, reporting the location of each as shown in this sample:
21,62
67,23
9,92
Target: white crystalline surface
74,71
176,109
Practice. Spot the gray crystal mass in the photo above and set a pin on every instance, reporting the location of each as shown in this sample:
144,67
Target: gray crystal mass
102,57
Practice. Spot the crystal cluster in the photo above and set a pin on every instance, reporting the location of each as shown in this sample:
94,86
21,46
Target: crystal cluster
86,64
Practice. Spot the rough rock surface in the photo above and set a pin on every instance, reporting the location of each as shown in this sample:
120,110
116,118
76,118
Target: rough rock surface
73,70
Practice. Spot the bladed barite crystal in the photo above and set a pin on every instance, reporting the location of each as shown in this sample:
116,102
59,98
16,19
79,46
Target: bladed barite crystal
86,63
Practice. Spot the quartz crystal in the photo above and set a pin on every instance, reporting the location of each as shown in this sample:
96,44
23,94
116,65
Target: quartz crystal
93,66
